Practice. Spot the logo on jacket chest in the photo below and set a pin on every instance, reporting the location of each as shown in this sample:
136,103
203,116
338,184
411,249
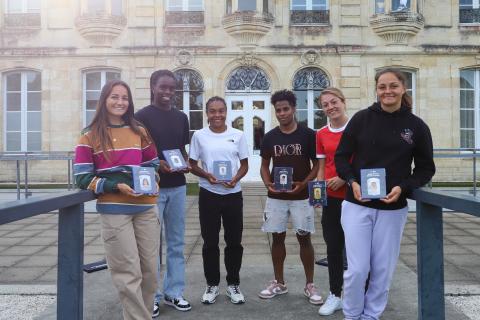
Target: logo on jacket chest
407,135
294,149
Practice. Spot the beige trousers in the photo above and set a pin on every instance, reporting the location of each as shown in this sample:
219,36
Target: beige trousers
131,248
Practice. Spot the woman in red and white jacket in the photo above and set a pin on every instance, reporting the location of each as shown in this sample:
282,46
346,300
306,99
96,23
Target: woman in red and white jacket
332,102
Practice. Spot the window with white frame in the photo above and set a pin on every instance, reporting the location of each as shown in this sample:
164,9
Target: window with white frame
22,6
308,83
469,11
469,108
388,6
184,5
100,7
23,111
303,5
93,82
189,97
410,85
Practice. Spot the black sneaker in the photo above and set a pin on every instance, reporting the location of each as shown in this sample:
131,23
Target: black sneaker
178,303
156,310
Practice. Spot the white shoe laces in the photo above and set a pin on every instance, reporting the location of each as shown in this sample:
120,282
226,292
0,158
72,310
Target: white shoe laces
235,289
331,300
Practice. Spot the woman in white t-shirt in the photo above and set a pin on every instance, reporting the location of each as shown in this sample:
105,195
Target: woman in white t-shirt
220,198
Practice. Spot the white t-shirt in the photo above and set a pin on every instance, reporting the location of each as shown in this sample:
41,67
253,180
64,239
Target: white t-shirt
207,146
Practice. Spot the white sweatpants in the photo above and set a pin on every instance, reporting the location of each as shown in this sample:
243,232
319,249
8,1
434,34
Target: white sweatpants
372,241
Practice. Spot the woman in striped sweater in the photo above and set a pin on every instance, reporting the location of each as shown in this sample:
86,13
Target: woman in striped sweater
107,151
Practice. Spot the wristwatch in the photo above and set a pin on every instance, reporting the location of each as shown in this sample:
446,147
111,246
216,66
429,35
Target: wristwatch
350,181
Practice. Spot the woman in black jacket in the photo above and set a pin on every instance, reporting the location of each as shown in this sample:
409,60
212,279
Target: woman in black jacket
387,136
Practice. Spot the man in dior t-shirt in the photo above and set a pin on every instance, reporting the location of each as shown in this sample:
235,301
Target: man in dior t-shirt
289,145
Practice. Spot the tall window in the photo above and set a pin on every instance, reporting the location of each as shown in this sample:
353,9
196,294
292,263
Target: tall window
410,85
185,5
100,7
93,81
469,108
23,111
189,97
307,85
469,11
22,6
309,5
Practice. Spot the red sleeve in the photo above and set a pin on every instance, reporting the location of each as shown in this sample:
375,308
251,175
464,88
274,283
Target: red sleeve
320,147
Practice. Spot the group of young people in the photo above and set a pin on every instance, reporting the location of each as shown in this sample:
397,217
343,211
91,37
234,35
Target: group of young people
385,135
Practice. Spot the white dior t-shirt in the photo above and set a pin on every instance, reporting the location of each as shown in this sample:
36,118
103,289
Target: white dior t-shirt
208,146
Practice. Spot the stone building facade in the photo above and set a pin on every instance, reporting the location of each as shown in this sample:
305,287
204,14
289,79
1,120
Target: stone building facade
56,54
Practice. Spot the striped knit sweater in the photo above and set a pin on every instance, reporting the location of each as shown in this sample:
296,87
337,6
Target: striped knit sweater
94,172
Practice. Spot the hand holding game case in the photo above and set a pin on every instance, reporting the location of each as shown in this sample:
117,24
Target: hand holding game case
282,178
222,171
144,180
175,159
373,184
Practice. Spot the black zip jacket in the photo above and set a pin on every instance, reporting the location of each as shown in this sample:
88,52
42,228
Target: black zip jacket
374,138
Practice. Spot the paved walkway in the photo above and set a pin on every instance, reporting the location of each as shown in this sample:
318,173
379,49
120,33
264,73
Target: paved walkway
28,255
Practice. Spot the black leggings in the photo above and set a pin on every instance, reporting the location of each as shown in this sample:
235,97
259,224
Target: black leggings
335,240
213,209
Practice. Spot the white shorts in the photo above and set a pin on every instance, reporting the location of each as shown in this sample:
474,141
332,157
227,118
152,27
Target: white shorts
275,216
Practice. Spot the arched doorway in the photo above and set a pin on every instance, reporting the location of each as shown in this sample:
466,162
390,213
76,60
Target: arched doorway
248,103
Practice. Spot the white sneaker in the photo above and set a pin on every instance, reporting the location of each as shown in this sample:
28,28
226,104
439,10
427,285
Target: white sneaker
236,296
210,295
332,304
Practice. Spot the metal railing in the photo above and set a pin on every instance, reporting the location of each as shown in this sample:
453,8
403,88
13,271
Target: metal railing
461,153
24,157
430,268
70,243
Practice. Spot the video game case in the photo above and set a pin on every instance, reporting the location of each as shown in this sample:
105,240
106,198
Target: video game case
175,159
373,184
144,180
317,191
283,178
222,170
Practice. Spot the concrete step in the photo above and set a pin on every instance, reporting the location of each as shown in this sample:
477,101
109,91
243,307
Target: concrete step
254,189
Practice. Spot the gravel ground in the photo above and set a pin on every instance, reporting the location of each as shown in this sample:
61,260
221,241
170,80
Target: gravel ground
470,306
23,307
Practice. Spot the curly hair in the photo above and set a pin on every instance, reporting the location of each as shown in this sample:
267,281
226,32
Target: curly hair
284,95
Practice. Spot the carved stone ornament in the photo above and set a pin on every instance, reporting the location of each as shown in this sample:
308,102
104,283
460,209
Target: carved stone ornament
100,29
248,59
184,58
397,27
310,57
247,27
